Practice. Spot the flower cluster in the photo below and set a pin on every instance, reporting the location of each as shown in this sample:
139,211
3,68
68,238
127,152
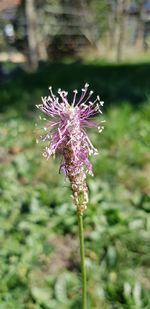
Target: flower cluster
66,132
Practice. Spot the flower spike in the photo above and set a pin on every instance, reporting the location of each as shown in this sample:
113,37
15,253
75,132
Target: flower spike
66,135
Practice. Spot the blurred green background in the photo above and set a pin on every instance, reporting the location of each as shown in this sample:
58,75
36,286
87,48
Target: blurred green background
39,255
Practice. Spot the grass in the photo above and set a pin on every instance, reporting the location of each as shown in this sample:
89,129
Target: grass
39,254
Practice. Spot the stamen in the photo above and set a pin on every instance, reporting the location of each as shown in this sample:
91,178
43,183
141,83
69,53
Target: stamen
43,99
60,134
91,92
74,98
84,91
62,95
53,96
38,105
100,128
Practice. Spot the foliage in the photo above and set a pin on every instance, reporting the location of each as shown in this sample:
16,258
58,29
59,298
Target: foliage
101,11
115,83
39,255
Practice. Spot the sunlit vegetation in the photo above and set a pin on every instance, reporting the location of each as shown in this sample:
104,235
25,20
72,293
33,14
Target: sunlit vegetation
39,254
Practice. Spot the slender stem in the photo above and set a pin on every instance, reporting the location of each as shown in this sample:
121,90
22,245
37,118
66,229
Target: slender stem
82,255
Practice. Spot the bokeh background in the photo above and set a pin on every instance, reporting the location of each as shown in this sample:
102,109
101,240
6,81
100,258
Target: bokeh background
66,43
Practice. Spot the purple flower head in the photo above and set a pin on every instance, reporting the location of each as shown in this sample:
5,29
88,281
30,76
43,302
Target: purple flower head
66,129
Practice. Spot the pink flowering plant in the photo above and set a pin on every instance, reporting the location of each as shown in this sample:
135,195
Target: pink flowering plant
66,135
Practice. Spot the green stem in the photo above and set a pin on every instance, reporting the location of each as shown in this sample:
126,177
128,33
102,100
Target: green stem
83,269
